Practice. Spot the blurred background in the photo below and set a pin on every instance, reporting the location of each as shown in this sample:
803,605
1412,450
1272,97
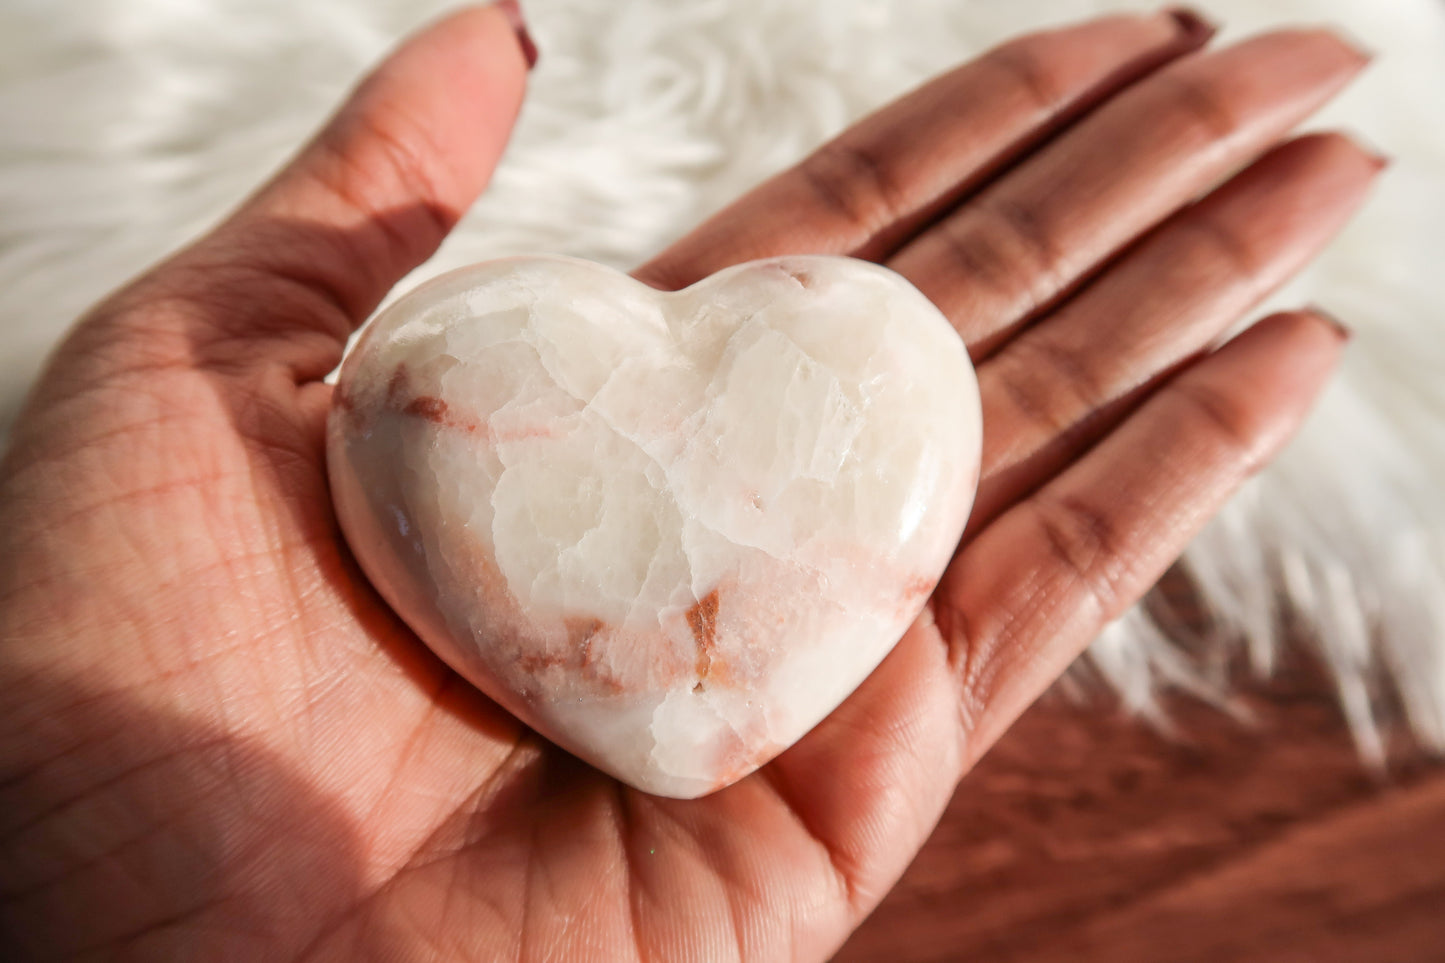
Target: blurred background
1241,768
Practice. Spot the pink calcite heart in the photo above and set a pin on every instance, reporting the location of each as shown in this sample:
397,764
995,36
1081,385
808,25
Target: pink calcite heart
669,531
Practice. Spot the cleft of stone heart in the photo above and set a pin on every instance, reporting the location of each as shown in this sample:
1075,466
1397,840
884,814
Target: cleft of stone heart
671,531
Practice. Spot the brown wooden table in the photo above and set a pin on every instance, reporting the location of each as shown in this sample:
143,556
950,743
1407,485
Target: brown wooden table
1086,836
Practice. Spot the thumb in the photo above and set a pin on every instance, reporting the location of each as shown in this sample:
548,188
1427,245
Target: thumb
372,195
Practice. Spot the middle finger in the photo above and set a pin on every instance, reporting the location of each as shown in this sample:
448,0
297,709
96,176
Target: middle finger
1034,236
1053,390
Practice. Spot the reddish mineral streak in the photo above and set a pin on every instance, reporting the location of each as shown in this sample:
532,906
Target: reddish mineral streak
578,656
915,590
582,633
741,762
702,619
427,407
533,663
804,279
396,385
918,588
432,409
435,410
737,758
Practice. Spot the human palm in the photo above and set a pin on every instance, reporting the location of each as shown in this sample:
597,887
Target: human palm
217,741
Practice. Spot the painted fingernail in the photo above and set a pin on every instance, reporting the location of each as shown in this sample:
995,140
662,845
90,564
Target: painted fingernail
1194,25
513,10
1379,158
1340,328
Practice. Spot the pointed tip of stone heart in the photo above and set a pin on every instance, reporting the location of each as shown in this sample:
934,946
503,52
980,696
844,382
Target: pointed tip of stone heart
669,531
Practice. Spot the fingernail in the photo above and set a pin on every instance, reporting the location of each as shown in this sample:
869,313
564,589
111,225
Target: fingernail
513,10
1194,25
1379,158
1344,333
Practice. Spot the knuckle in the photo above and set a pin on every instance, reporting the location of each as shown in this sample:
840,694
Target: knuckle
1051,385
1202,101
1005,244
1223,244
971,256
854,183
969,657
1018,229
1027,69
1082,542
379,152
1224,419
382,143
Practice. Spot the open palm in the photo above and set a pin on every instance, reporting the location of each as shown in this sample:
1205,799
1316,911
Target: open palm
217,742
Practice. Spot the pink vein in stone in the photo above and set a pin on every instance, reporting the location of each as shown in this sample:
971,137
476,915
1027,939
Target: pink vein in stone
433,409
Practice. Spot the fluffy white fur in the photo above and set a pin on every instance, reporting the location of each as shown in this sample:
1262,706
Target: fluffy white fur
127,126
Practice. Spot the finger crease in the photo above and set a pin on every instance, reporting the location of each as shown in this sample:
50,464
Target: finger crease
852,182
1083,541
1202,102
1028,74
1226,420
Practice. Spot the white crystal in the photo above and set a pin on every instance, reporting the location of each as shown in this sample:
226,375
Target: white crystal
670,531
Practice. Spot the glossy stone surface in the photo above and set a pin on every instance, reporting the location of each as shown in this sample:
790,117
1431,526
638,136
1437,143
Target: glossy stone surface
669,531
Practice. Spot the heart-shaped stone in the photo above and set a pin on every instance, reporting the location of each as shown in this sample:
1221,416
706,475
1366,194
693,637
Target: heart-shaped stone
669,531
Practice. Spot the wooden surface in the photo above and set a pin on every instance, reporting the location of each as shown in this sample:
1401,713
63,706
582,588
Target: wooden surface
1084,836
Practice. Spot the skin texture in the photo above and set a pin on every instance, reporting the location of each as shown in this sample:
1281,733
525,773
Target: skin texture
216,741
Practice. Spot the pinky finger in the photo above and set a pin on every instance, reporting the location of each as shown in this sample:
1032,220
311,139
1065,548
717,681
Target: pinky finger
1027,595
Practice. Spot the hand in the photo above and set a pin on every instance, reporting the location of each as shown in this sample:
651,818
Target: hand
217,742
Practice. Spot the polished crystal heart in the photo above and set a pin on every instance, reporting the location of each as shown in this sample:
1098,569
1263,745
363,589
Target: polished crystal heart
669,531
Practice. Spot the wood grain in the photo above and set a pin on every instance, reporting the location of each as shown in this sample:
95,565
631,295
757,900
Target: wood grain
1086,836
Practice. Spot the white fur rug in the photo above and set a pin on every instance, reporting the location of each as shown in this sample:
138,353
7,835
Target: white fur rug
127,126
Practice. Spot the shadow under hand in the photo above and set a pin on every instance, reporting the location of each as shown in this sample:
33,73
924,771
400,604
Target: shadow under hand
1086,836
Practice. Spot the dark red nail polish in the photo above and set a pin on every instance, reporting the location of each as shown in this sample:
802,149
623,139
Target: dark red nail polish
513,10
1378,158
1195,26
